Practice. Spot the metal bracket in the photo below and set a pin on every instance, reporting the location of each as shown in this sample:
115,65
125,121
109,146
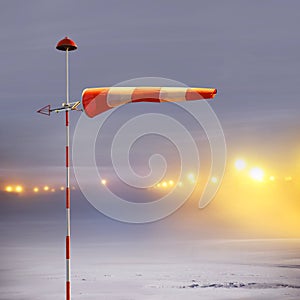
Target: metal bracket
46,110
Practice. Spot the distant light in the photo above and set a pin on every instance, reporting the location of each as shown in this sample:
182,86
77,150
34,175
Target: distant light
52,190
180,184
46,188
191,177
171,182
73,188
164,184
240,164
158,185
19,189
272,178
62,188
103,181
36,189
257,174
8,189
288,178
214,179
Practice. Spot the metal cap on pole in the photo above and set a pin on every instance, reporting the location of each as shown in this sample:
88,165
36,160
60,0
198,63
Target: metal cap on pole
66,44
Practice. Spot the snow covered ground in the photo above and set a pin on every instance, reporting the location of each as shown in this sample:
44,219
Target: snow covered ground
185,256
154,269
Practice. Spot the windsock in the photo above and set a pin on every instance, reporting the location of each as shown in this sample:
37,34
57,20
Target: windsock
98,100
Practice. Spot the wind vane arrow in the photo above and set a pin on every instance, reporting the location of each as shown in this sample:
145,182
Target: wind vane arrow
45,110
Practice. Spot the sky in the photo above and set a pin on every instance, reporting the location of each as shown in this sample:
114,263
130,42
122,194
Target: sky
248,50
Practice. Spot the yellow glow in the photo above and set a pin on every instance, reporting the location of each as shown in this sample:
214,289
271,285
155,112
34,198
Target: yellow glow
288,178
171,182
46,188
272,178
36,189
180,183
62,188
240,164
19,189
158,185
8,189
257,174
103,181
191,177
214,179
164,184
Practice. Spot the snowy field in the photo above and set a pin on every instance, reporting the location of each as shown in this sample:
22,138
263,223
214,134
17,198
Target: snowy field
185,256
161,269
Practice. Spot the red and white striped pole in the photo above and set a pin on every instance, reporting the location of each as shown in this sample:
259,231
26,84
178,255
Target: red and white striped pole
67,45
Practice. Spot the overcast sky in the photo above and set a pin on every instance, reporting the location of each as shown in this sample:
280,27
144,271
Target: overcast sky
248,50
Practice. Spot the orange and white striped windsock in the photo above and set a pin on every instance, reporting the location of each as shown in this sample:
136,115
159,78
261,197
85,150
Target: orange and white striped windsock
98,100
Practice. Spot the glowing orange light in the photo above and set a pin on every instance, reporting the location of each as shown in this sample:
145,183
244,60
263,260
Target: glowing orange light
191,177
240,164
214,179
19,189
46,188
52,190
257,174
8,189
36,189
103,181
62,188
164,184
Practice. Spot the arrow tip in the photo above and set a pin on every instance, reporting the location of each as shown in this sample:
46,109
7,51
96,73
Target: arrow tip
44,110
